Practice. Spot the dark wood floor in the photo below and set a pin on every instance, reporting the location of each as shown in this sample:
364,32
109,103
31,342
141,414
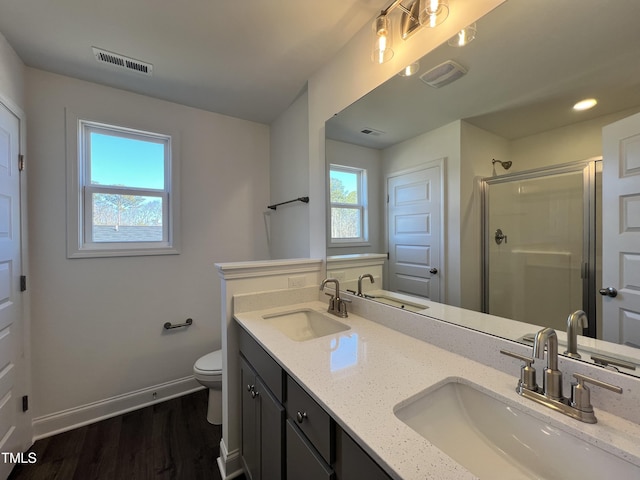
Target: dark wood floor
169,440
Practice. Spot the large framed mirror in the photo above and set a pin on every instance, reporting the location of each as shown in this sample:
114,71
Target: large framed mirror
502,134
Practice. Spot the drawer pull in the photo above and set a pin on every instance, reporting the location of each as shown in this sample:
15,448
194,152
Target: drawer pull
250,387
254,394
300,416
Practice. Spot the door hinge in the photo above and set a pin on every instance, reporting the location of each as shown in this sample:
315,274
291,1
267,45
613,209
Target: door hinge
387,198
20,162
387,255
23,283
25,403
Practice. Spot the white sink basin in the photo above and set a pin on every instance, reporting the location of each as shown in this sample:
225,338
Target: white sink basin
494,440
305,324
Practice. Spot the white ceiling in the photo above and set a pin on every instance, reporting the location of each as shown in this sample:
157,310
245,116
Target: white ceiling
531,61
245,58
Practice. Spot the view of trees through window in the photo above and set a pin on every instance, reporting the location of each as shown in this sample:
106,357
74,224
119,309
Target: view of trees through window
127,185
346,204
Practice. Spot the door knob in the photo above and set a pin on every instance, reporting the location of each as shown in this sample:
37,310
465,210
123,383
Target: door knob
433,270
609,292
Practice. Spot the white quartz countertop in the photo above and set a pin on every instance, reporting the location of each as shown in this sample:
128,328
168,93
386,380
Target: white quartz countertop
361,374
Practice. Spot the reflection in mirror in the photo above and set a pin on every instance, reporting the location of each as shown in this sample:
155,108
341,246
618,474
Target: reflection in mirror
431,155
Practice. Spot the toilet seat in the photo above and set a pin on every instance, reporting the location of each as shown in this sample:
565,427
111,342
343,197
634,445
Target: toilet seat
209,365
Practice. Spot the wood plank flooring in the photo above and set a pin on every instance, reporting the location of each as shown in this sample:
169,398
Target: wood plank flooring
169,440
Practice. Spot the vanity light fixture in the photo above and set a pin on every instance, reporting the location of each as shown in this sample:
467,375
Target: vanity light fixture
585,104
464,36
418,14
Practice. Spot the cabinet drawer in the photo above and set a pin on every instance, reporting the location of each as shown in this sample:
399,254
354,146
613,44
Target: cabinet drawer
310,418
303,461
265,366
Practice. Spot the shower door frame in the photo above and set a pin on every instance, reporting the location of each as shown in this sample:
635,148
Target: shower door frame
588,272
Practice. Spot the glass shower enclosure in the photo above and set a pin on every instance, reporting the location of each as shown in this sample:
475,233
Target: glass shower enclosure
540,244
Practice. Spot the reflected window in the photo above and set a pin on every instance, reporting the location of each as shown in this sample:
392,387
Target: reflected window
348,198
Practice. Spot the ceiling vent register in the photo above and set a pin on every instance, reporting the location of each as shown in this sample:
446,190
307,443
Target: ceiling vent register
121,61
443,74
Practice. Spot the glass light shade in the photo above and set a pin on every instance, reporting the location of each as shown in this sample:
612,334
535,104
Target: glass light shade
434,12
382,40
464,36
585,104
409,70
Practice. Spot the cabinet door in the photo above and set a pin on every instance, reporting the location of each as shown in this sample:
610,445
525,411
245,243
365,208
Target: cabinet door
303,460
353,463
250,422
271,433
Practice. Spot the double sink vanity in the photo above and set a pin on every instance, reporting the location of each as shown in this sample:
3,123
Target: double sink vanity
383,391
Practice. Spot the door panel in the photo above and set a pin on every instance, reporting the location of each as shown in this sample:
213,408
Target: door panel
621,230
13,424
414,213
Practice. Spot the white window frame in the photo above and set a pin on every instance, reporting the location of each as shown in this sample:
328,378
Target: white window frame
80,192
362,206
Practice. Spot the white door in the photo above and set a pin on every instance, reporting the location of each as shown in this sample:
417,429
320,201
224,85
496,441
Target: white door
13,424
621,231
414,232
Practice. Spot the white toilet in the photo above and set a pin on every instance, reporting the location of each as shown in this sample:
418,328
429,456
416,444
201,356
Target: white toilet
208,372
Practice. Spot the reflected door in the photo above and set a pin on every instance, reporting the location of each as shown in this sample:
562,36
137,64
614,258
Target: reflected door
538,249
414,229
621,232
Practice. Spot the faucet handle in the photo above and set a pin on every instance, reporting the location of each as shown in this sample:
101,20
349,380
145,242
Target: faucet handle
581,395
527,372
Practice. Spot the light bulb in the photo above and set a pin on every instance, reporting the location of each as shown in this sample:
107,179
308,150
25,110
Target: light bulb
434,13
464,36
382,51
585,104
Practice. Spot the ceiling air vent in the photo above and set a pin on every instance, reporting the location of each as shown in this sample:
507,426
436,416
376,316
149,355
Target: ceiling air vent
371,131
117,60
443,74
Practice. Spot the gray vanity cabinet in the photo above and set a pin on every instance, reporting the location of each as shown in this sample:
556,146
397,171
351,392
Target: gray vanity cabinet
262,413
302,442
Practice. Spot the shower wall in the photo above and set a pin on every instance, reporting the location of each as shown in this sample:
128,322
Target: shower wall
535,273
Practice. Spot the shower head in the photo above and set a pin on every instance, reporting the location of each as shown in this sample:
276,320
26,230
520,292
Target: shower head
506,164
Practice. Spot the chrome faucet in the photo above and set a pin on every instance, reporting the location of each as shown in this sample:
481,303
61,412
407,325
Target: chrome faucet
576,320
337,305
366,275
552,379
578,406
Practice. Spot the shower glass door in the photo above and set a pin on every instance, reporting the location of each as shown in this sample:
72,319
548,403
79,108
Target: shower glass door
539,254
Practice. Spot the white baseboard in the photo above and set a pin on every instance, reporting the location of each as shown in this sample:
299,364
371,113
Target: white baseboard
229,463
65,420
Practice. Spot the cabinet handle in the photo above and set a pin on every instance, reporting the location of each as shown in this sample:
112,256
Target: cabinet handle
250,387
254,394
300,416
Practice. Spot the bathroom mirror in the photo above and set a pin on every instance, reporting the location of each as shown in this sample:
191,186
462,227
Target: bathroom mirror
518,80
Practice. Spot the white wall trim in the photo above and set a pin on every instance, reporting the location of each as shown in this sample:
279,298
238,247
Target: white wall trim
65,420
237,270
229,462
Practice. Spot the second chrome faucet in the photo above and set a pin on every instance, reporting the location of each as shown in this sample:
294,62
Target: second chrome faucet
577,406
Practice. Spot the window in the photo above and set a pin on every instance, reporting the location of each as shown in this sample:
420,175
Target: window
122,196
348,200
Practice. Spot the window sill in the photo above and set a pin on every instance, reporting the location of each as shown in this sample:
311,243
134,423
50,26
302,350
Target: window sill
122,252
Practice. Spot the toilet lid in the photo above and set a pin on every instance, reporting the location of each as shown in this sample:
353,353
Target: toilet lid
211,362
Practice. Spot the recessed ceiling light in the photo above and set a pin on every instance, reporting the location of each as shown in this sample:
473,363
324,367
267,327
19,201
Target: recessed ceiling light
585,104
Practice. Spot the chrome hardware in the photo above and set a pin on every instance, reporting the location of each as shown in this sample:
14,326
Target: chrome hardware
552,380
581,395
576,320
252,390
250,387
605,361
608,292
433,270
187,323
499,237
366,275
300,416
579,405
337,306
527,372
254,394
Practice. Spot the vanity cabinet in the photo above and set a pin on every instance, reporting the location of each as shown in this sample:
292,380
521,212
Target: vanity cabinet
300,441
262,414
